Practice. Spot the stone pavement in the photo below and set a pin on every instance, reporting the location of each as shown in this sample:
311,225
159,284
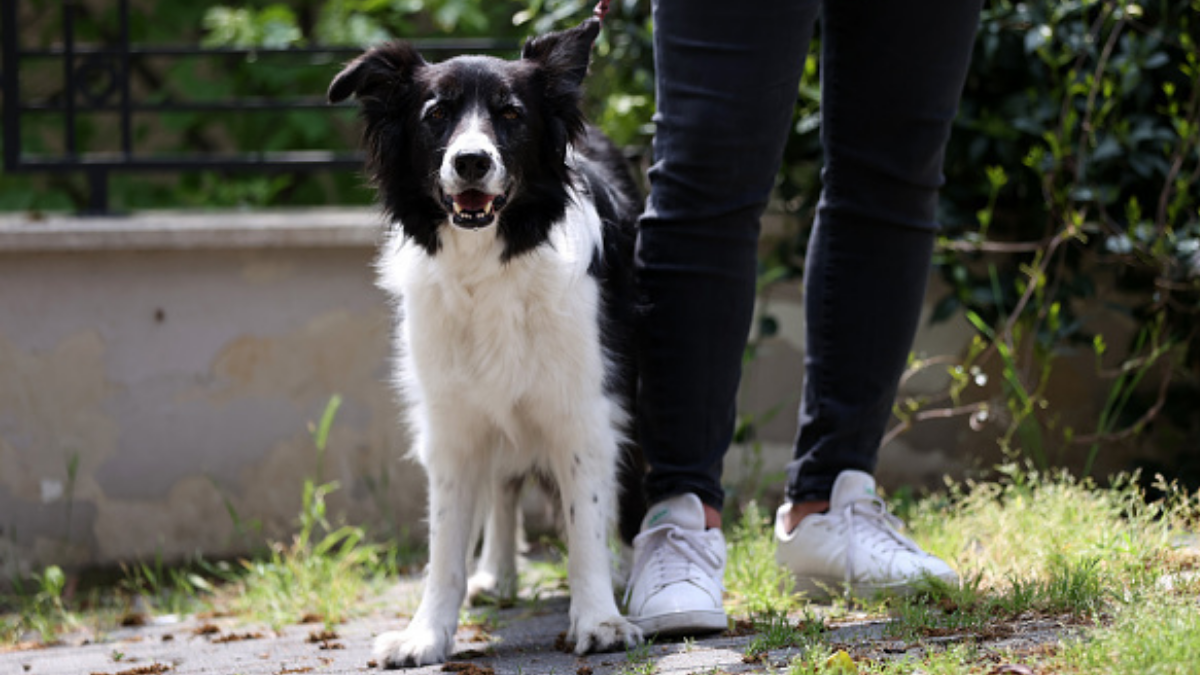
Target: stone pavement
522,640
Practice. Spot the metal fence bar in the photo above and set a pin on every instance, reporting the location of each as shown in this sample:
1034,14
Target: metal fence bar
68,24
11,84
299,159
83,63
126,113
430,45
235,105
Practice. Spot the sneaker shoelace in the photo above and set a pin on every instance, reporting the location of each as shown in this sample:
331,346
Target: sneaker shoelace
870,526
673,552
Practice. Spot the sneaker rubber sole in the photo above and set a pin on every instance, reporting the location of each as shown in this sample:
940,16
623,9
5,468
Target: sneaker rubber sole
682,623
826,588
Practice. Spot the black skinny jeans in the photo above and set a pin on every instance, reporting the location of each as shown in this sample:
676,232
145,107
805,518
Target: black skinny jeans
728,70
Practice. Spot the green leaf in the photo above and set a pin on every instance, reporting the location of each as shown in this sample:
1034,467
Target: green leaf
321,435
1037,37
945,308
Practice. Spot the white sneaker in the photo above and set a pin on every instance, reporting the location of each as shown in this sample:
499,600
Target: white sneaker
854,547
675,587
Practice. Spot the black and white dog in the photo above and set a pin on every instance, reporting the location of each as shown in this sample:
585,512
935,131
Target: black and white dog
511,264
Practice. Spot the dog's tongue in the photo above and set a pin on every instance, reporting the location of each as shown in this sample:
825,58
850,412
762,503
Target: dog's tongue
473,200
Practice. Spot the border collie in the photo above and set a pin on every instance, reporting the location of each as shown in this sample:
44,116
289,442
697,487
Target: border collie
510,260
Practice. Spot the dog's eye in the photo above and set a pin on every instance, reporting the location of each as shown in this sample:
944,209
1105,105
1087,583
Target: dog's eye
510,113
437,113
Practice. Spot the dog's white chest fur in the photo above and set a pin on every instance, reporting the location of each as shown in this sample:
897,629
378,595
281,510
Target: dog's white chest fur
510,347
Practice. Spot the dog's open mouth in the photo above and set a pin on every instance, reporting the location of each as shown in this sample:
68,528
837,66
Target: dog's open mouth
474,209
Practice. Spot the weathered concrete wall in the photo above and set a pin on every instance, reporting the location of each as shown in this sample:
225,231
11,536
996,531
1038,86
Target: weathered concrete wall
175,362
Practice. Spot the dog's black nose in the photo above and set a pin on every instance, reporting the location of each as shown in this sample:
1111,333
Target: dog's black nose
472,166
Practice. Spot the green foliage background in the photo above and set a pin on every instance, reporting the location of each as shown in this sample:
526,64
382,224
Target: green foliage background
622,79
1072,195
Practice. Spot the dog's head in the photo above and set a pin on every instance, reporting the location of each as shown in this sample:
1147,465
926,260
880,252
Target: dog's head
472,141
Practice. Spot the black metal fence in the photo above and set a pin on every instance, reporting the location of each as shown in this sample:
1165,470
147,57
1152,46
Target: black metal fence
99,79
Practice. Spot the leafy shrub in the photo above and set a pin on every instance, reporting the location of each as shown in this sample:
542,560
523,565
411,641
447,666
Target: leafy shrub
1072,197
1073,175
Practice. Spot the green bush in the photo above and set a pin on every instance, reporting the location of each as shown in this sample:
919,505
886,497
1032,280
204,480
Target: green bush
1073,195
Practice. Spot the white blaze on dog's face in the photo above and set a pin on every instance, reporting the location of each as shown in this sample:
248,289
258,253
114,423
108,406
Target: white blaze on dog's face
473,179
475,140
475,136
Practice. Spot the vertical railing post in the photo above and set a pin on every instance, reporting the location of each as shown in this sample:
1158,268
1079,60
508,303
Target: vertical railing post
97,193
68,19
126,77
12,86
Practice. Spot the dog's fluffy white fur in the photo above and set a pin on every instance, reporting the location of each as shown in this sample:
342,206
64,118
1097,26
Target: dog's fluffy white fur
503,368
509,265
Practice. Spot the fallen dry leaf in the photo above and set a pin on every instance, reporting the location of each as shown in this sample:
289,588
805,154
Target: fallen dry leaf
236,637
467,668
322,636
1012,669
153,669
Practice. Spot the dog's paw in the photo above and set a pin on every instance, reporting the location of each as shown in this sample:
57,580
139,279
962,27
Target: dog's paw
609,634
409,648
485,588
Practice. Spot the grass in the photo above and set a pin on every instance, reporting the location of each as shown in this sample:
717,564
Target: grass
755,585
779,631
639,660
1031,547
300,583
1159,639
324,574
40,609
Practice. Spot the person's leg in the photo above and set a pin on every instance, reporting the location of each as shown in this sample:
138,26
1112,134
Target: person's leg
892,74
727,76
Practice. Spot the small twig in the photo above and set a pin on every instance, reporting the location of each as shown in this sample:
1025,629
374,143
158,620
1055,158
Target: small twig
1158,35
1142,421
1168,285
1085,129
993,246
1030,290
936,413
1127,366
922,364
1093,34
1181,153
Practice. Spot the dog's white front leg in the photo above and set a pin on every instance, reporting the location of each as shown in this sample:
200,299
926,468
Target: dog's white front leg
496,576
430,636
586,477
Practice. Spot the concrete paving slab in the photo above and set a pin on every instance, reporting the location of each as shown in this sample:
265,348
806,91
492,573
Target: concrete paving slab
521,640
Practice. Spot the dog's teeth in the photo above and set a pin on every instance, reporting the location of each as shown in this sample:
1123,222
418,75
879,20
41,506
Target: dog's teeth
487,210
457,209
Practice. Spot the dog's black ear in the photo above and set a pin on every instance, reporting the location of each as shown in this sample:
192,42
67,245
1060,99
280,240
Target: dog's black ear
566,52
387,65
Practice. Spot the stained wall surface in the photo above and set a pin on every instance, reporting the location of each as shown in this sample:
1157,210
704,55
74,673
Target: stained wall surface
158,376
